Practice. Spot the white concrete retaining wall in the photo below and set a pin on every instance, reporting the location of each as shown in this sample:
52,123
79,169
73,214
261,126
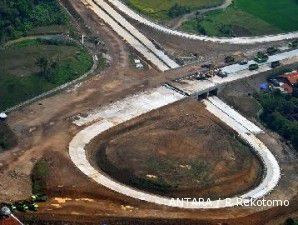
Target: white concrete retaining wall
235,115
131,35
132,106
242,127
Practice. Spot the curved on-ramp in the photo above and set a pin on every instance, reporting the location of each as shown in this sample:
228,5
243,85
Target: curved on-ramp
133,106
234,40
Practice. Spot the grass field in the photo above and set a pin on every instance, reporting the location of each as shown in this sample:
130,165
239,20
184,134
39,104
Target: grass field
20,77
248,17
158,9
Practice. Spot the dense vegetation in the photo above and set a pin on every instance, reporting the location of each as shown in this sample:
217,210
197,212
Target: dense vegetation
291,221
248,18
32,67
164,10
178,10
17,17
38,177
280,113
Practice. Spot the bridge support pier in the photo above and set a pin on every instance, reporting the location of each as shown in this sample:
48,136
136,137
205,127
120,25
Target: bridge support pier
201,96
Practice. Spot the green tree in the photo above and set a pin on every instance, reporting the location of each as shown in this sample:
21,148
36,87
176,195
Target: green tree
290,221
43,63
17,17
178,10
280,113
47,67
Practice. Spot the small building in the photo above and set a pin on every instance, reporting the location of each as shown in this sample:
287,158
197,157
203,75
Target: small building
289,80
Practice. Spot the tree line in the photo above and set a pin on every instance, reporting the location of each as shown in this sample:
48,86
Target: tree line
178,10
280,113
17,17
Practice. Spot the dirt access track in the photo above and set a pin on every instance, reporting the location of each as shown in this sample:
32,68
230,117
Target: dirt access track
45,128
233,40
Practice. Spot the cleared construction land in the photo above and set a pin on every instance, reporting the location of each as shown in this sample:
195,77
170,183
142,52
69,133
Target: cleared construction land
188,153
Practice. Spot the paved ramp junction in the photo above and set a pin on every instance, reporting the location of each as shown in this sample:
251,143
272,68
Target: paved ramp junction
133,106
144,102
131,35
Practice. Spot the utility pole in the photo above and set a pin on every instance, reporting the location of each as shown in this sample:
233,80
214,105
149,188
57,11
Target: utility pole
83,39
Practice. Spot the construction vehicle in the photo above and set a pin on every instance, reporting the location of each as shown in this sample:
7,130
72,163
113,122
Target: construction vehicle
275,64
22,206
31,205
261,57
272,50
243,62
39,198
293,44
200,76
253,66
222,74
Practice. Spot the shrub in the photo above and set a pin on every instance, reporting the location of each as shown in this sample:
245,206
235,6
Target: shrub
38,177
178,10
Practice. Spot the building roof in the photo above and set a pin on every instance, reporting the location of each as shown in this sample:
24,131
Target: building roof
10,221
292,77
287,88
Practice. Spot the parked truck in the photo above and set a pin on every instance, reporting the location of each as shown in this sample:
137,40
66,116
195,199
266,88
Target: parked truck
272,50
261,57
275,64
253,66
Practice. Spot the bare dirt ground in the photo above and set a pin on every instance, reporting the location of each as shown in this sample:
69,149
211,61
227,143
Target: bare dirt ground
178,151
234,94
44,130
